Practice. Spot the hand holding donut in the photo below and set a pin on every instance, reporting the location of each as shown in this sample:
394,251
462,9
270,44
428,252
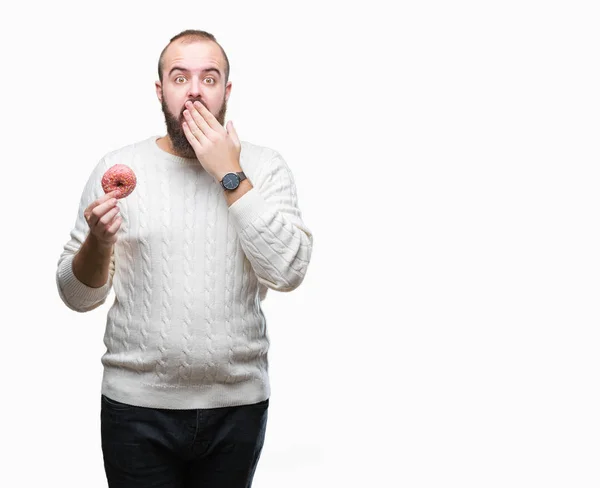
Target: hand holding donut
103,219
102,215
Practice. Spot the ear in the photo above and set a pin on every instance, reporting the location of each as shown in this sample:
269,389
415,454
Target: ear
227,91
158,91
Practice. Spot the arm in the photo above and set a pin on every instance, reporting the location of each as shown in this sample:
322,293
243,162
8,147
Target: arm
91,264
270,228
86,265
265,212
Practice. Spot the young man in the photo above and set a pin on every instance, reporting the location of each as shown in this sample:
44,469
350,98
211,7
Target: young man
211,225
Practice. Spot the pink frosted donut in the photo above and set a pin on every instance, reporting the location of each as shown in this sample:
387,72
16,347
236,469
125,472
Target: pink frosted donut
119,177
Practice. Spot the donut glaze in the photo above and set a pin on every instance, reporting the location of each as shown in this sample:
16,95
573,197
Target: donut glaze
119,177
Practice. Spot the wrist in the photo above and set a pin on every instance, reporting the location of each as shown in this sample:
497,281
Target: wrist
103,247
231,168
231,196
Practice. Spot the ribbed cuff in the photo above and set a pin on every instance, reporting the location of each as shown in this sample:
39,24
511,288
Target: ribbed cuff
78,295
248,208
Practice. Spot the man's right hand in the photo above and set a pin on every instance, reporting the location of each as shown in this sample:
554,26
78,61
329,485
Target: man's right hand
103,219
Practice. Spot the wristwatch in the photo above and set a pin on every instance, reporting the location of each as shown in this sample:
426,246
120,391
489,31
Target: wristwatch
232,180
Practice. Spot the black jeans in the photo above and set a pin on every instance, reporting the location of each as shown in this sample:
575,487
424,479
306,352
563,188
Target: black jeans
205,448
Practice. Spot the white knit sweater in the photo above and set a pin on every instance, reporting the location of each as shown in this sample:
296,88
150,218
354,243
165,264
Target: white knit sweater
186,328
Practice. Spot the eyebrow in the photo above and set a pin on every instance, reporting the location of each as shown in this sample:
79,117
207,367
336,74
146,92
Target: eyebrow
206,70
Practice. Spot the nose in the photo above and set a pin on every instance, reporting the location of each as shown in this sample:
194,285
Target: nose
194,88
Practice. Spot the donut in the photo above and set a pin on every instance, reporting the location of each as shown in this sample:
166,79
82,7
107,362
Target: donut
119,177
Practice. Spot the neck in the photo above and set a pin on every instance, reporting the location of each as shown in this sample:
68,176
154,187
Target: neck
166,144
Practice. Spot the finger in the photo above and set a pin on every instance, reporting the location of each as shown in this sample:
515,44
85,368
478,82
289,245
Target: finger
208,117
100,210
197,125
115,226
191,138
108,217
98,201
105,198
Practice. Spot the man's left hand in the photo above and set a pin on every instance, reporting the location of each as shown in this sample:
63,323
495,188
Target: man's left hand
216,147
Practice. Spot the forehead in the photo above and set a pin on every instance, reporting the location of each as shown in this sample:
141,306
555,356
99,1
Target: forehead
195,55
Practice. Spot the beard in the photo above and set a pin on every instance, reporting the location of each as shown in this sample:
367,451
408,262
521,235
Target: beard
175,130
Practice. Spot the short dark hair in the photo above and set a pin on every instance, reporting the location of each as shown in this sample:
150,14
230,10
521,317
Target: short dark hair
192,35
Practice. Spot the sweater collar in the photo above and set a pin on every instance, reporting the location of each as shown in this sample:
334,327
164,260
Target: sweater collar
162,154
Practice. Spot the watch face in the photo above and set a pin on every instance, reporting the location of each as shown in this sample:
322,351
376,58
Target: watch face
231,181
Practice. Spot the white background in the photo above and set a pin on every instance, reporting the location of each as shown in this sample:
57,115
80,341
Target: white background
446,158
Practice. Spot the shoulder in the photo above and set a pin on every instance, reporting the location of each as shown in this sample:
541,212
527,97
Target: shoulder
135,155
256,158
131,155
130,150
256,154
265,166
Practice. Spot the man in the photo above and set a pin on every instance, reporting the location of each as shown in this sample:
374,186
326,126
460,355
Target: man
211,225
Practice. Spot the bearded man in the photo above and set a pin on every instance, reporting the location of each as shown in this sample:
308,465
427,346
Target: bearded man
212,223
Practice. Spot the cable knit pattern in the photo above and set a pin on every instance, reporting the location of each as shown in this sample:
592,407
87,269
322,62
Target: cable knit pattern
229,288
141,194
270,217
186,328
245,307
191,188
166,291
125,232
210,281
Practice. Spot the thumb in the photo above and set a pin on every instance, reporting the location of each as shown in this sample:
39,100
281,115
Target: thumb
232,132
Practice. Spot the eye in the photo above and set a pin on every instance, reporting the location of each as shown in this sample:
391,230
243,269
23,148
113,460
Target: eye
212,80
179,78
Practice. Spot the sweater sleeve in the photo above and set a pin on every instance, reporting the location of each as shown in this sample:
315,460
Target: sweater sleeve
75,294
269,224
